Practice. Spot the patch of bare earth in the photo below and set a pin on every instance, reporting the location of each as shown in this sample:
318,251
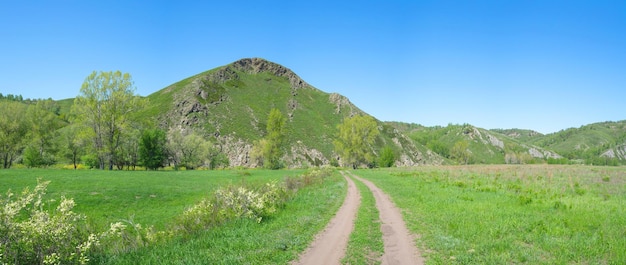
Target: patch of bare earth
398,242
330,245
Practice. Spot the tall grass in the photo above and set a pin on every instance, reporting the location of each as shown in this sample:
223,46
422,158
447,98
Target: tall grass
513,214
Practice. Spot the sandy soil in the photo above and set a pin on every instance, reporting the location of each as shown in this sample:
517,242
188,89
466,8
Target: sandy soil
330,245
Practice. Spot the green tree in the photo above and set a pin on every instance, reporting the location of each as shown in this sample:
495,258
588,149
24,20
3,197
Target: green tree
276,131
460,153
43,124
190,150
387,157
72,144
105,107
269,150
152,149
12,130
354,140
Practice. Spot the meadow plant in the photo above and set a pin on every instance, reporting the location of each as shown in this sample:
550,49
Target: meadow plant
31,235
233,202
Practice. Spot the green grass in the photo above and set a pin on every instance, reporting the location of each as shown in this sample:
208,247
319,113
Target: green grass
146,197
365,245
276,240
512,214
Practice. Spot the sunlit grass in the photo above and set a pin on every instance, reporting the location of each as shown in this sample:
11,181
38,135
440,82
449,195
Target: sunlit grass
512,214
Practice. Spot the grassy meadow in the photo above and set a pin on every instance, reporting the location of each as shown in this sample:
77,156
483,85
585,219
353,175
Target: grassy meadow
534,214
512,214
145,197
158,198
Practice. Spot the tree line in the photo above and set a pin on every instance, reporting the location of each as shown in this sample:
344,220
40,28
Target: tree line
101,131
104,130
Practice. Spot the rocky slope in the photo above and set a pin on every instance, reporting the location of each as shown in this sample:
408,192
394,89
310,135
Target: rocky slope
230,104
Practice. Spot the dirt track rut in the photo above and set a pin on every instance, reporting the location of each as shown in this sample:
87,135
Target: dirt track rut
330,245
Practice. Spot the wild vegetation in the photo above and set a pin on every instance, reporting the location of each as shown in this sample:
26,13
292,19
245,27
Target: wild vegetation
267,199
512,214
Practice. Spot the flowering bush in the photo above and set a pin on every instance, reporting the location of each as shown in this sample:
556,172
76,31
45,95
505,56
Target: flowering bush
234,202
30,235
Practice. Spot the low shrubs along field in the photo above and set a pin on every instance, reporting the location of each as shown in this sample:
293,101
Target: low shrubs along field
512,214
173,203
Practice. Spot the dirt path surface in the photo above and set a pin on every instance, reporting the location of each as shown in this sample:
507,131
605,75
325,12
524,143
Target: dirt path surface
330,245
397,240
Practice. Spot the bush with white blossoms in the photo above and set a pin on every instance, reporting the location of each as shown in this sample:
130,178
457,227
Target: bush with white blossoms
234,202
30,235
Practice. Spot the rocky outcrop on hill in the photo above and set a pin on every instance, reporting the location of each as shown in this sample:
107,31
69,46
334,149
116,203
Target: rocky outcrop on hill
230,104
258,65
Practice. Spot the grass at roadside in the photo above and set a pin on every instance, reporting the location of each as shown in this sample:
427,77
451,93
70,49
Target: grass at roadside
277,240
365,245
512,214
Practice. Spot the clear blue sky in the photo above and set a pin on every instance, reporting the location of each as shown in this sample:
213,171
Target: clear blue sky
543,65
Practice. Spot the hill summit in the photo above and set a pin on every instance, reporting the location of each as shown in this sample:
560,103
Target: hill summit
230,105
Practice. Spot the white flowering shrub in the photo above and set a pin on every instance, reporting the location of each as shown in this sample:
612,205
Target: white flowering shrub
30,235
234,202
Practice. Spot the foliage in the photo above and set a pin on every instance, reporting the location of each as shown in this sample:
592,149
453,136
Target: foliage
460,153
152,149
40,237
354,140
43,124
217,159
72,144
387,157
187,150
279,239
269,150
14,127
105,108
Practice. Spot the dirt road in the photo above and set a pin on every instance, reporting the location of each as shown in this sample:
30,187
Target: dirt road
397,240
330,245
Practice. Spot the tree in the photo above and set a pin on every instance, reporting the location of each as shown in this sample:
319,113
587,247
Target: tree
354,140
43,124
269,150
72,144
460,153
273,150
387,157
12,130
152,149
217,158
188,150
105,106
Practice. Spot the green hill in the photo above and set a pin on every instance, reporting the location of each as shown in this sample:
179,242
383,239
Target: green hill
483,146
602,143
230,106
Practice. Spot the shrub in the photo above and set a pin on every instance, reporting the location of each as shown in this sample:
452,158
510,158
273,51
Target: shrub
30,235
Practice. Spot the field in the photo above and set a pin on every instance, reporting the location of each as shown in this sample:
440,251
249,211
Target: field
512,214
464,214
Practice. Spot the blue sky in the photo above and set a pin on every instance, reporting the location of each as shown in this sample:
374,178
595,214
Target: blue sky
542,65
